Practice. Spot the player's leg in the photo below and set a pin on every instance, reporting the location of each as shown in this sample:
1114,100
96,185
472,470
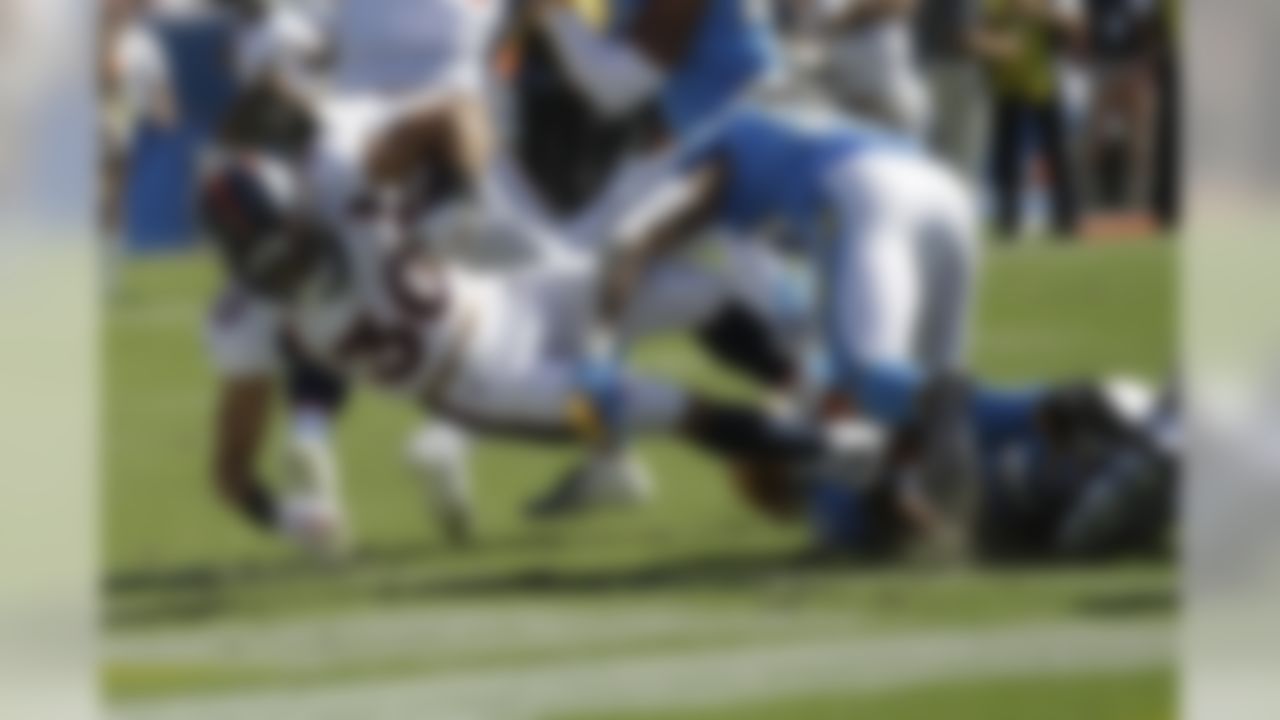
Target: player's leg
897,286
677,297
439,458
317,398
950,251
731,328
559,300
898,279
872,286
561,402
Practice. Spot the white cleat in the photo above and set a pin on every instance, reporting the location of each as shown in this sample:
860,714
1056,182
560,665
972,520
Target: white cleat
611,480
317,525
312,514
439,458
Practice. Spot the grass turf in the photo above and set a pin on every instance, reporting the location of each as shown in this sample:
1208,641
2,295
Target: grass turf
1126,696
174,557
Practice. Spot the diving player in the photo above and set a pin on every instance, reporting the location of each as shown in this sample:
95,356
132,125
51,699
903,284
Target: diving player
393,57
497,352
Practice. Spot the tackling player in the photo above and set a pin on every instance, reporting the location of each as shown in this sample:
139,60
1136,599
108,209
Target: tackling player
893,239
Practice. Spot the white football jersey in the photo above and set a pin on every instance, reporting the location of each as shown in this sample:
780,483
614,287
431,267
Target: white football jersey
401,328
403,46
393,317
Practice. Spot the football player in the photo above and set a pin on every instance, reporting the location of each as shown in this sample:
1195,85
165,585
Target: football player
391,58
499,353
694,60
1102,482
892,237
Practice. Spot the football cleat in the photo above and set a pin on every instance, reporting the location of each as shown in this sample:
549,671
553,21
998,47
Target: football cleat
946,477
312,512
439,458
612,480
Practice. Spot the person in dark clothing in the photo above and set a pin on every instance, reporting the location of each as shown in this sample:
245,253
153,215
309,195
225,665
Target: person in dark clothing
1167,184
1121,132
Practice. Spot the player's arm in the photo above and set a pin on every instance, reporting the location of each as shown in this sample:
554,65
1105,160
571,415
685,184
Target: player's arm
618,77
245,343
667,221
241,337
450,136
453,140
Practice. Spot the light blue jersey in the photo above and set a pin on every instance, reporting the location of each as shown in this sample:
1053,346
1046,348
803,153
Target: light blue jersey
734,47
777,164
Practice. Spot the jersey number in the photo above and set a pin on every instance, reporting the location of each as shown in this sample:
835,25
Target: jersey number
394,350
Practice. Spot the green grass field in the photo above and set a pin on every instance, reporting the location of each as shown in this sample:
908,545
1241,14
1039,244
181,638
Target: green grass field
694,598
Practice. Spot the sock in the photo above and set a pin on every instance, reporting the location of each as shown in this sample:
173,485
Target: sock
311,424
744,341
749,435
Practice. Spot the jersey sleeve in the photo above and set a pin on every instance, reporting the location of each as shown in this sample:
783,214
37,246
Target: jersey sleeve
243,336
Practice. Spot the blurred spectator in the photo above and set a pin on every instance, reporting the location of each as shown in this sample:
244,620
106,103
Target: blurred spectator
949,40
873,70
1025,42
136,91
1167,44
1120,134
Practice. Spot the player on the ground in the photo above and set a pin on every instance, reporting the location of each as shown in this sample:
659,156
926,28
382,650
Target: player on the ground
1102,481
497,352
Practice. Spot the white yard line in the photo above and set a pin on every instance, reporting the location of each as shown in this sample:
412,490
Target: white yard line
688,680
405,636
